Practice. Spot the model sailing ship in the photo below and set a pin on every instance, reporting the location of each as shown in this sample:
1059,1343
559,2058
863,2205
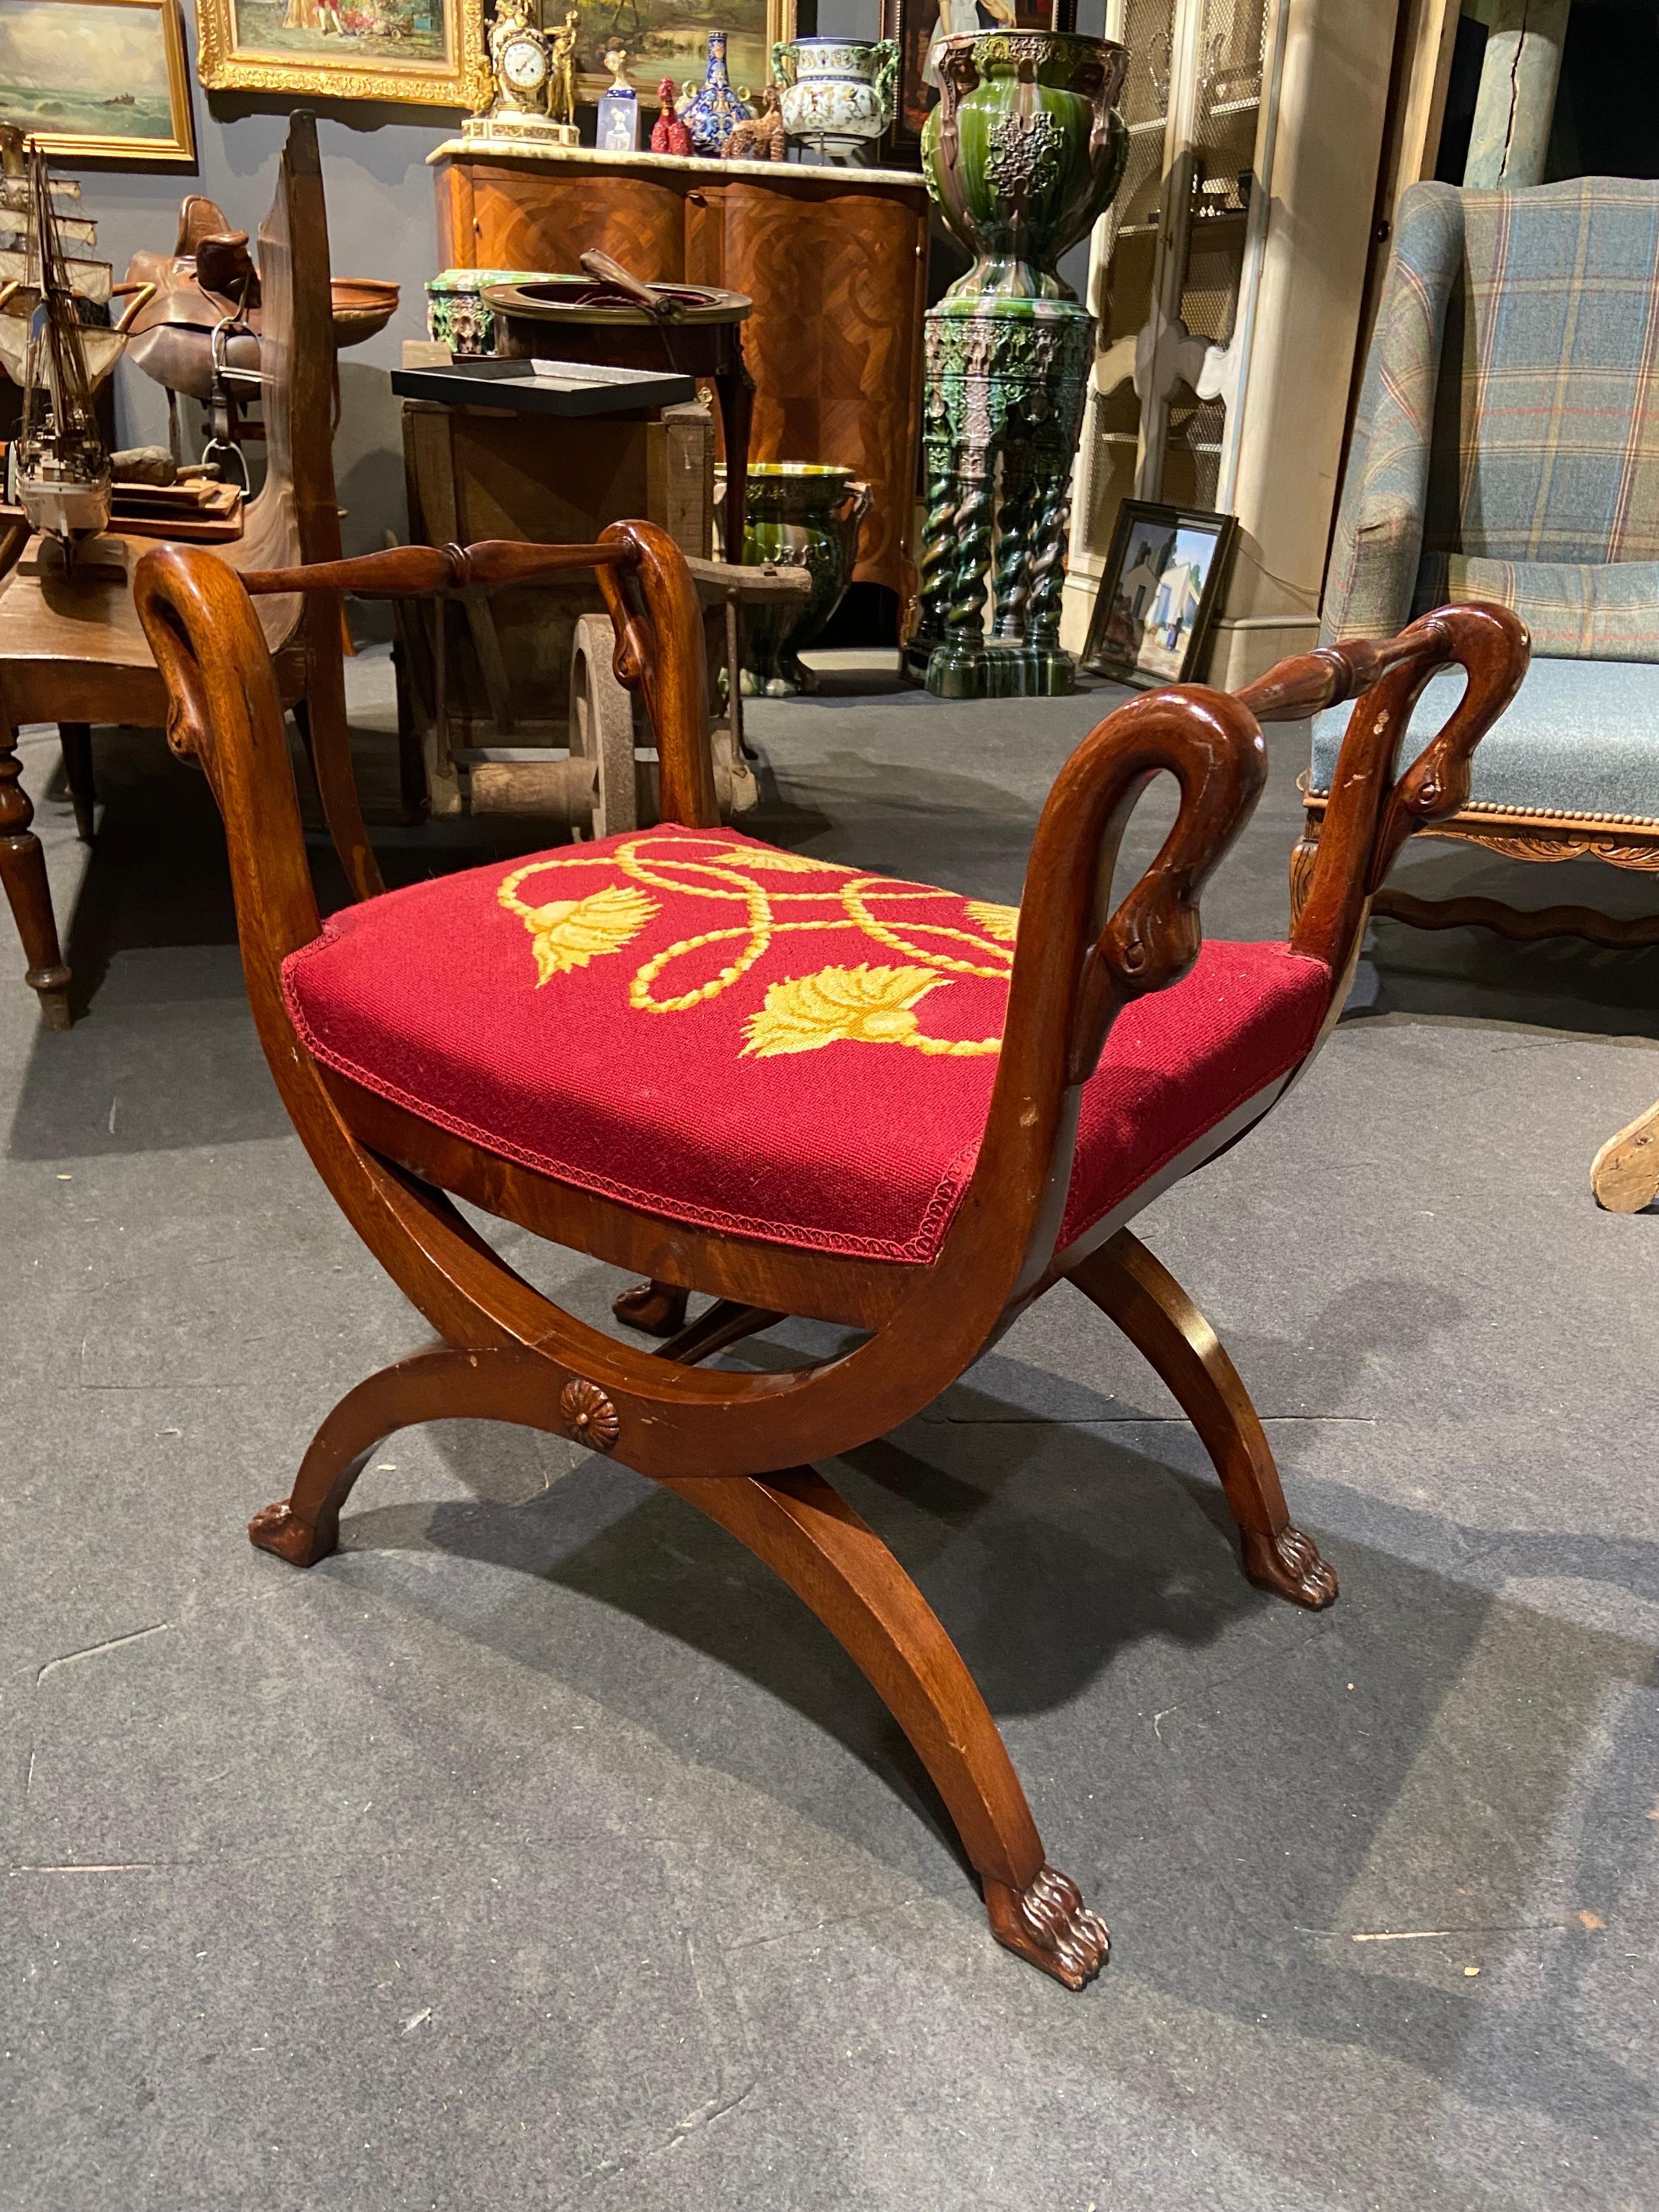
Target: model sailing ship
60,473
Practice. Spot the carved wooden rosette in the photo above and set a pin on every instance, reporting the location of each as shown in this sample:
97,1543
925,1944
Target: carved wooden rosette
588,1415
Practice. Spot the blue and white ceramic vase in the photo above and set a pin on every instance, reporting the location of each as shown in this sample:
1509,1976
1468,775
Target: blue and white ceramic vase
711,110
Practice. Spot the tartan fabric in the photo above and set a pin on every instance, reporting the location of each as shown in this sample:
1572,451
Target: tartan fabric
1510,406
757,1043
1575,610
1379,524
1559,375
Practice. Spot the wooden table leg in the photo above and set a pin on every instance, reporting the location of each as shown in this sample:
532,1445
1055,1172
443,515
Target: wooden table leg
76,739
23,871
735,390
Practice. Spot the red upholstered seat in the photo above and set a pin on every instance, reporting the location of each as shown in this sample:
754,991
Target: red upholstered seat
753,1042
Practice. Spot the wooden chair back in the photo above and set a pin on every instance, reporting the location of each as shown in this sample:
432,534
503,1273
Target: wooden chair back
296,517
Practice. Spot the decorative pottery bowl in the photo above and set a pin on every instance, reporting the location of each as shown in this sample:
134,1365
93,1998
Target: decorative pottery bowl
1024,150
457,314
837,92
800,515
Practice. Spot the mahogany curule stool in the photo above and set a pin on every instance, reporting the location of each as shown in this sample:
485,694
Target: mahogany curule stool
941,1106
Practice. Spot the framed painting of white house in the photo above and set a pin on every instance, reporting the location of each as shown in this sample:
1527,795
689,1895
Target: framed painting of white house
1159,593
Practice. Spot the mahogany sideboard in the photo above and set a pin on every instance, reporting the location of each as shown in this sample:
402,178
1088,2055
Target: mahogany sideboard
835,261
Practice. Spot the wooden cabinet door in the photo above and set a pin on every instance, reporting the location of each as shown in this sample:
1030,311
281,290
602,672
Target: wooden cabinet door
508,215
834,342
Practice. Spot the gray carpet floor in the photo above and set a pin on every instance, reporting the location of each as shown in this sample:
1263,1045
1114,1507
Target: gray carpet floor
537,1848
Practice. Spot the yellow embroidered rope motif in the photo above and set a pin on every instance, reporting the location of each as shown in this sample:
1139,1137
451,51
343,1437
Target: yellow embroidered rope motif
861,1005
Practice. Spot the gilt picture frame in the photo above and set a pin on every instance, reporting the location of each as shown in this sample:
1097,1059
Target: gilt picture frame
425,53
98,80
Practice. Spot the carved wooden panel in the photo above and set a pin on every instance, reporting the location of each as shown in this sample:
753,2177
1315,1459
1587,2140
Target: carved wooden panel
836,272
514,214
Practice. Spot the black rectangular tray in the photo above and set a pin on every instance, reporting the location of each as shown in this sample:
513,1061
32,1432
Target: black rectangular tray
570,388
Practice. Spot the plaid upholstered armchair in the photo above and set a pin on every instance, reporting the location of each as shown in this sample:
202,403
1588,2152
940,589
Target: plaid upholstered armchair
1507,450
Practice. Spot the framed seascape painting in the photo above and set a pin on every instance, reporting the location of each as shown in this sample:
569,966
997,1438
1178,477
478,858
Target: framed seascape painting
429,50
669,39
97,80
1159,593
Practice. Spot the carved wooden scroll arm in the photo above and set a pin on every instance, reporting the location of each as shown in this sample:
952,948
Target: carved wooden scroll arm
1073,971
654,610
417,571
649,595
1371,811
225,714
1213,749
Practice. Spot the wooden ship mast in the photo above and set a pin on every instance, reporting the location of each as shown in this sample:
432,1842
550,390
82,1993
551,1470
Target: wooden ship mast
60,473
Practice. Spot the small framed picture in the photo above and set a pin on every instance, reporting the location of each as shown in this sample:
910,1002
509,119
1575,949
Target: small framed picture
1159,593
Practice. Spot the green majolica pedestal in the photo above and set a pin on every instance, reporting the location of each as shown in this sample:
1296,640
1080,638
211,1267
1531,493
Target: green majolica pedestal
1024,151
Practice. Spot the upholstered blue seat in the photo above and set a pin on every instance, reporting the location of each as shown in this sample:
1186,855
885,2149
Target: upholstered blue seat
1582,738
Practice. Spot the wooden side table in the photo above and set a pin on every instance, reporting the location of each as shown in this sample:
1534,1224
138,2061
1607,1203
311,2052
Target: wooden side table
835,261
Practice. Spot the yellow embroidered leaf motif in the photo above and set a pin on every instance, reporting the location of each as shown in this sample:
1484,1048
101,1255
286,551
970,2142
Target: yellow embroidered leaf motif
783,864
1001,922
850,1005
567,933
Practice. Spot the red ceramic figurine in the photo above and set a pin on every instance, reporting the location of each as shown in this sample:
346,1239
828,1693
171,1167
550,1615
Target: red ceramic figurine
668,134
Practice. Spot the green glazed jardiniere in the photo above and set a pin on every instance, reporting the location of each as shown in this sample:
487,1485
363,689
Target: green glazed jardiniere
456,312
1023,152
800,514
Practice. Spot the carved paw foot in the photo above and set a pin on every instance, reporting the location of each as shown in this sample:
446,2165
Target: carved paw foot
276,1529
1289,1564
1049,1924
657,1308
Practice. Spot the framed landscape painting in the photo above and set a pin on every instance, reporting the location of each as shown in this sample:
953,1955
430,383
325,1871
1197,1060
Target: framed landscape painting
669,39
97,80
427,51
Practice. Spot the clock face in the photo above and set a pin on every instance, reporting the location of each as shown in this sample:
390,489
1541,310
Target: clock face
524,64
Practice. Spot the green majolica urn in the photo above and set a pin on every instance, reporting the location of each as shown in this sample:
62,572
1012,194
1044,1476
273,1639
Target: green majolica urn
1024,151
800,514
